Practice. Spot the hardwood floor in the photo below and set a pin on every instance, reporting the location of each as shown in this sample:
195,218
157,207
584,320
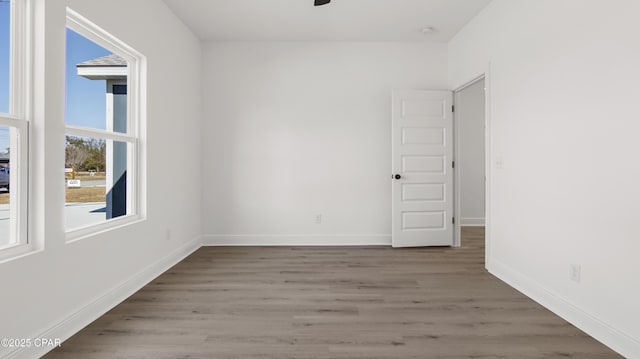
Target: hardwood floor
317,302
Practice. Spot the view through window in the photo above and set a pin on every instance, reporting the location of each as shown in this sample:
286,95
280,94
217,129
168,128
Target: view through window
8,235
100,142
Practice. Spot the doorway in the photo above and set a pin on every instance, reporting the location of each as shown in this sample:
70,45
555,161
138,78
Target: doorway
470,139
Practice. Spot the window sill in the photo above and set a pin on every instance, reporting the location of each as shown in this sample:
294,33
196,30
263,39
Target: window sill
78,234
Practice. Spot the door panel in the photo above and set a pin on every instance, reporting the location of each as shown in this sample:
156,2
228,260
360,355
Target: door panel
423,164
423,156
423,136
422,192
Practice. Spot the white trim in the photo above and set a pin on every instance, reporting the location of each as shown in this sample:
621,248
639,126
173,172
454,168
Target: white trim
94,133
18,196
470,83
296,240
471,222
17,70
9,120
76,321
20,68
488,169
95,33
76,234
617,340
457,187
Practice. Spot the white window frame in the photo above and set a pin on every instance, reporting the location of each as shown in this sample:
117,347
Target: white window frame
136,61
18,119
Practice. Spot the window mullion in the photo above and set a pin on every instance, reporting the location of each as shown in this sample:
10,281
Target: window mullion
107,135
8,120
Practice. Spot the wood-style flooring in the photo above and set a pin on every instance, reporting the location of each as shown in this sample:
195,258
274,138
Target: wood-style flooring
331,302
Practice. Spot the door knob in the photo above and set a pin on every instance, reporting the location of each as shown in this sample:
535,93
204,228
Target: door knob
397,176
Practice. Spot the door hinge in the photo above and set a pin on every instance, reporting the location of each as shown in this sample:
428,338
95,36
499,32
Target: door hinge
453,164
453,220
453,108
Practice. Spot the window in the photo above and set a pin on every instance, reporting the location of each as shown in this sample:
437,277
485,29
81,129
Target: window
14,129
102,129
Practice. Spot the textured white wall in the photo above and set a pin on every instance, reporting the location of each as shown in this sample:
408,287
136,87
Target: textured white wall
41,290
470,114
295,130
563,93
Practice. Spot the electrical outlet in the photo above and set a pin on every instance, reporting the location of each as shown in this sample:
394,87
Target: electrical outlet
168,235
318,219
575,272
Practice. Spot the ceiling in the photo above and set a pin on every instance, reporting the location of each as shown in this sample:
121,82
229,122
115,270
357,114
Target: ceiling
341,20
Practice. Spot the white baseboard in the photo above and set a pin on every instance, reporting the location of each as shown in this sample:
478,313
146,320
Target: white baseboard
471,222
619,341
94,310
296,240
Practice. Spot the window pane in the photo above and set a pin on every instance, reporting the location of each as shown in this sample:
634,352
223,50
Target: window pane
96,181
5,55
96,86
6,239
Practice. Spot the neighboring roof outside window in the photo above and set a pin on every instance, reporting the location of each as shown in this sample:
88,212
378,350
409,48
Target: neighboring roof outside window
110,67
112,60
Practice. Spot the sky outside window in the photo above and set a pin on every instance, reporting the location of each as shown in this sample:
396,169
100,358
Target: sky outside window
86,99
5,43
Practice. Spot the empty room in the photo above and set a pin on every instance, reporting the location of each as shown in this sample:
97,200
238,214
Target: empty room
319,179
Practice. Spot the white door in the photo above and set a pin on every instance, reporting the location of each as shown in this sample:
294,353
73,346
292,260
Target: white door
422,179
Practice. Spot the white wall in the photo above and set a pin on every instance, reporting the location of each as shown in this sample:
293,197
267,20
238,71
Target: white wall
295,130
563,100
57,290
470,115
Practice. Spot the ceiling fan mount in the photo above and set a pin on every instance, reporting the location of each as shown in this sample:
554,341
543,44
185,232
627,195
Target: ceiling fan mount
321,2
